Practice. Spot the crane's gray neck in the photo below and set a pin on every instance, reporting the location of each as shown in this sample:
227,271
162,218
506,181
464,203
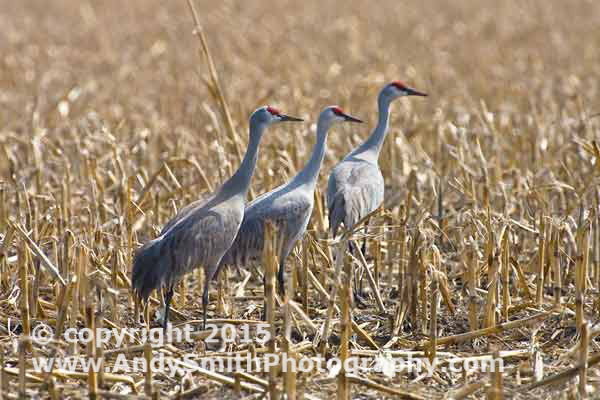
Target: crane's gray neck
239,182
310,172
371,148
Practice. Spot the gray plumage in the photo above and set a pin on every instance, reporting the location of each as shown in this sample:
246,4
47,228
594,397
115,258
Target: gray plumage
197,236
288,206
201,232
356,187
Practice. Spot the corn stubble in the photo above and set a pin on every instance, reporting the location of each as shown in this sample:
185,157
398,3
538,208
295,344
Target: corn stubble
488,244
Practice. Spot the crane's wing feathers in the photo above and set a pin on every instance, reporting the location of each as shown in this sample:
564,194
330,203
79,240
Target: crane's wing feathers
185,211
290,213
200,237
355,188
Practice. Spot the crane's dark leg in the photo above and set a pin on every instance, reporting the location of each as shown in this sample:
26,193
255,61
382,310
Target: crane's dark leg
280,277
264,314
364,251
358,292
205,301
364,245
168,298
280,283
351,250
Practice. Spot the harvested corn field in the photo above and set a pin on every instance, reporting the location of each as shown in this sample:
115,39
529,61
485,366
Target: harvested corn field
116,115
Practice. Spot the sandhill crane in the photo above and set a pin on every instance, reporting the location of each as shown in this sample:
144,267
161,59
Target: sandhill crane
355,186
201,232
289,206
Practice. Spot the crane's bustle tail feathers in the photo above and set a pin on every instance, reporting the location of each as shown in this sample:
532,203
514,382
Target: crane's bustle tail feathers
336,213
150,269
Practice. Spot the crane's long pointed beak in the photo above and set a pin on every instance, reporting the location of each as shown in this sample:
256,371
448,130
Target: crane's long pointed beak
352,119
284,117
413,92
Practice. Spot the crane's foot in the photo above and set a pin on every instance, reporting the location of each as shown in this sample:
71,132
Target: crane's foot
264,313
358,292
360,300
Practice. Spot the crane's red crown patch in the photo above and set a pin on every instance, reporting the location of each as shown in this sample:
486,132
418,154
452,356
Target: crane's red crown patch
338,111
273,110
399,85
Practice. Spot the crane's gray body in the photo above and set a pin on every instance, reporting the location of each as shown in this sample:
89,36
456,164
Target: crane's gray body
356,187
202,232
288,206
199,235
